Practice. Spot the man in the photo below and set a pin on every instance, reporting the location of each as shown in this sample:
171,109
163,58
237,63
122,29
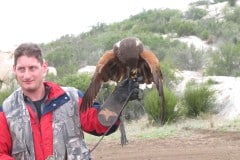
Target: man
41,120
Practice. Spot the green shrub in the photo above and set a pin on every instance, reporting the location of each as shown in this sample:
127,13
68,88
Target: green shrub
134,110
198,98
186,28
79,81
204,35
219,1
152,105
10,88
168,71
232,3
190,59
226,61
233,15
4,95
195,13
104,92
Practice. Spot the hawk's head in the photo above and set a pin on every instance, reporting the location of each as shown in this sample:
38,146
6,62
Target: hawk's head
128,50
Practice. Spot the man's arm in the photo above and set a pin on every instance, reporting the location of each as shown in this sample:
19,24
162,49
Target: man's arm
91,124
97,119
89,120
5,138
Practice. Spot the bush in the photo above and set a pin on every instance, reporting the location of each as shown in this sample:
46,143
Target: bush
79,81
4,95
190,59
168,71
233,16
134,110
198,98
6,92
232,3
195,13
186,28
204,35
226,61
104,92
152,105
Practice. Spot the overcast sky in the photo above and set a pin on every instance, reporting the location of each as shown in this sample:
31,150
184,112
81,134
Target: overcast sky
42,21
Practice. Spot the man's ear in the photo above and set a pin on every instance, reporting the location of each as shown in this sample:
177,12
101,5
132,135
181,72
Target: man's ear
45,67
14,69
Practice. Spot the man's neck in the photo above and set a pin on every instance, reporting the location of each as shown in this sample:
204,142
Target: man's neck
37,94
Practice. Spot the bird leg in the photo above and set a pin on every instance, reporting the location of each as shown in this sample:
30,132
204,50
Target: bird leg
124,140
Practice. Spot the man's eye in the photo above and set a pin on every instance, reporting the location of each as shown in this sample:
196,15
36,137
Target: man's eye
21,69
33,68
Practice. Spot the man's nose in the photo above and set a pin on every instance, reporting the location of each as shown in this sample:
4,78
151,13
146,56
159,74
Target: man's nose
27,74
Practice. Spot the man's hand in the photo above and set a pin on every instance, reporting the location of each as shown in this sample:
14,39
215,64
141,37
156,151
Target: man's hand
125,91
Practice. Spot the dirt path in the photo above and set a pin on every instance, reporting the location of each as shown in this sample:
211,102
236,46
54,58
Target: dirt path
201,145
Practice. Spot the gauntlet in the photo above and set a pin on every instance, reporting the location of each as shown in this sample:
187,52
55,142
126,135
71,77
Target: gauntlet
111,109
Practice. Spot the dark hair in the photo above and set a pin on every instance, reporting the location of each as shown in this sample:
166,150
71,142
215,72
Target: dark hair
30,50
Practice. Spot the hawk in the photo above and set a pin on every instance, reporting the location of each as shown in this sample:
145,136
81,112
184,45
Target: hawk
127,59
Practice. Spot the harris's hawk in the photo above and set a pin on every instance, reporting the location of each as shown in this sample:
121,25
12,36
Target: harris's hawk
127,59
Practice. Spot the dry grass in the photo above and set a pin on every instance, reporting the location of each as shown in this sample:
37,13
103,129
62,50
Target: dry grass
141,129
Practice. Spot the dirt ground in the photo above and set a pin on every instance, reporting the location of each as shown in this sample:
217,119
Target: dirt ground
200,145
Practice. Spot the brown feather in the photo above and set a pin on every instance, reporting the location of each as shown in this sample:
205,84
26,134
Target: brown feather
107,68
155,75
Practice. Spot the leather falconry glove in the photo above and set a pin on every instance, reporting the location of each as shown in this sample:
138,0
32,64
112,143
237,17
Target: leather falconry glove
111,109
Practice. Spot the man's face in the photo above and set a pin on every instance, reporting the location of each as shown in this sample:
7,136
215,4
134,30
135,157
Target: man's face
29,73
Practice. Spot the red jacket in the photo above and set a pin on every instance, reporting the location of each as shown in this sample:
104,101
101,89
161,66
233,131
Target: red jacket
42,130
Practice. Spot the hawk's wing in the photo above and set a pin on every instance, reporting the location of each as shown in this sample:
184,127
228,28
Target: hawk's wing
151,72
108,68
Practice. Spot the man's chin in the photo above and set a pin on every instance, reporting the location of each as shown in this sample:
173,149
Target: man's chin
29,88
